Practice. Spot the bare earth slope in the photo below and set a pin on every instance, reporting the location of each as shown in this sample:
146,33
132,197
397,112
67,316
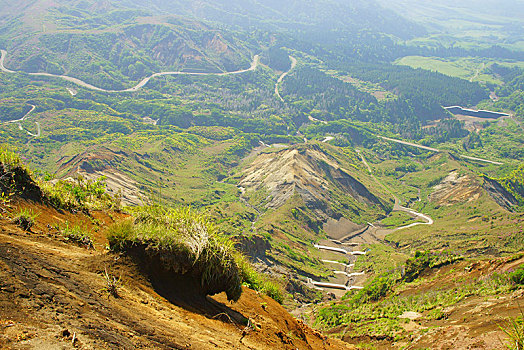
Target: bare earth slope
52,296
309,172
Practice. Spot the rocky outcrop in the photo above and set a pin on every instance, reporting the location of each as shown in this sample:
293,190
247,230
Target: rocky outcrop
93,164
456,188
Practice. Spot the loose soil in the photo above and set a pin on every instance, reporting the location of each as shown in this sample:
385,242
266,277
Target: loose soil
52,296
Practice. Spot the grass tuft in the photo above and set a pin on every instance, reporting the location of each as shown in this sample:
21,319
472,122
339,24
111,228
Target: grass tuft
185,241
113,284
25,219
78,235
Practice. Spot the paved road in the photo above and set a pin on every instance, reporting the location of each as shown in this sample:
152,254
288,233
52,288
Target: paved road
397,207
19,121
411,144
138,86
438,150
281,78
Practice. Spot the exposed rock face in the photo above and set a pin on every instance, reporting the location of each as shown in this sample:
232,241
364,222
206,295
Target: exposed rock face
456,189
499,193
459,189
306,171
92,165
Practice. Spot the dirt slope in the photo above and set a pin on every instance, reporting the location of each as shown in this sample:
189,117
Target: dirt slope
474,322
456,189
52,297
308,171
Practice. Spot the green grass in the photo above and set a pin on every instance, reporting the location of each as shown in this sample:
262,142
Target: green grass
380,259
77,235
465,68
186,241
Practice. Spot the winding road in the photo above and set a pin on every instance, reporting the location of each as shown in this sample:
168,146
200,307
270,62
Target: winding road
281,78
397,207
138,86
438,150
19,121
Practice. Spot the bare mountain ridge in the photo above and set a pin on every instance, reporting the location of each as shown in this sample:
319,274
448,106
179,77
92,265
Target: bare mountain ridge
309,172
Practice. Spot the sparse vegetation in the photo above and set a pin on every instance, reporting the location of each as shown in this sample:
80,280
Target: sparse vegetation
254,280
78,235
25,219
112,284
514,330
78,194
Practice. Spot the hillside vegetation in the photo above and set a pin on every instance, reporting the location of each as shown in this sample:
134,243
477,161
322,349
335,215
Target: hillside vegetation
186,154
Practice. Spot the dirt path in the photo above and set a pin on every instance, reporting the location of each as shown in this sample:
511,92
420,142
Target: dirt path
480,69
281,78
138,86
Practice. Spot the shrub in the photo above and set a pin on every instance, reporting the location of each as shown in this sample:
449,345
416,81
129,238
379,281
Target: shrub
517,276
423,260
378,288
416,265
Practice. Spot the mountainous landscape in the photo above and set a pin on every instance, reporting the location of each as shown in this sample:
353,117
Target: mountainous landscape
261,174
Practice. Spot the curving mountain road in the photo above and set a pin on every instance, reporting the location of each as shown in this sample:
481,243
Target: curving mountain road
438,150
19,121
138,86
397,206
281,78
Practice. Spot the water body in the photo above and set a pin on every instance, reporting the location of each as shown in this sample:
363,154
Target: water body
475,113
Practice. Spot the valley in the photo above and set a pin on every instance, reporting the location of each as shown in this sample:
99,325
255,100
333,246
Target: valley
138,86
291,164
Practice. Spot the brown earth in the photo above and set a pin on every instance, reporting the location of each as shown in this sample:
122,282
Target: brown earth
456,189
52,296
472,323
307,171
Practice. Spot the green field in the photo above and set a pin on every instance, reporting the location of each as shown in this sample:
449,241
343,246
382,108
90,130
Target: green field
469,68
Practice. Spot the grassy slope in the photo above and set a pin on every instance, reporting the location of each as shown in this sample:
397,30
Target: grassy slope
465,68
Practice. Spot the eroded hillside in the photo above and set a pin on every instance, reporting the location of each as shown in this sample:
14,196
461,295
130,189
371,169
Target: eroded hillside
317,177
61,287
